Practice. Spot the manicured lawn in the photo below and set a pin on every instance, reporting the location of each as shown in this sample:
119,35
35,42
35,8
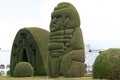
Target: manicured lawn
45,78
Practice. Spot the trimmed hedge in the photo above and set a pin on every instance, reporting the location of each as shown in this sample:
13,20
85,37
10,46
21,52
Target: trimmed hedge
60,32
77,41
30,45
107,65
23,69
72,64
55,46
66,48
8,72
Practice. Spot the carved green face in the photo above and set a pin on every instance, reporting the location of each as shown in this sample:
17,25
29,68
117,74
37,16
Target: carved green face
64,16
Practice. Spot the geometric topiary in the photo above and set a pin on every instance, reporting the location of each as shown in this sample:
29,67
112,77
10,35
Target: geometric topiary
66,47
30,45
107,65
23,69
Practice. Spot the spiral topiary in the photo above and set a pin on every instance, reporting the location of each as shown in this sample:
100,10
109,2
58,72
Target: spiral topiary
30,45
66,48
23,69
107,65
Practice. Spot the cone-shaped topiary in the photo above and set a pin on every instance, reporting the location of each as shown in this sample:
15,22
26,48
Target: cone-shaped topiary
66,47
30,45
23,69
107,65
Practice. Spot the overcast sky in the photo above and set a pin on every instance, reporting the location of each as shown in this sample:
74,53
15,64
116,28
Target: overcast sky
100,20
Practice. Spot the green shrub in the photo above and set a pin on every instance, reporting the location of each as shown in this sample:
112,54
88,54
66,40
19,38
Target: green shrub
107,65
23,69
0,74
69,31
8,72
30,45
66,47
72,64
77,41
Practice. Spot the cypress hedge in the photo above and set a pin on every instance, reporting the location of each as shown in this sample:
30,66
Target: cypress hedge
66,47
107,65
30,45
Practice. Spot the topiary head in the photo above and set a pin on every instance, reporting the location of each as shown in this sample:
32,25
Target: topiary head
23,69
64,16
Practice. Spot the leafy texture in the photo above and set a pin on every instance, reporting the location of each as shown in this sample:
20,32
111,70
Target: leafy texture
23,69
66,48
8,72
107,65
30,45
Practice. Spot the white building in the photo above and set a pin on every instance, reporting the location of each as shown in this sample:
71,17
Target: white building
90,56
4,61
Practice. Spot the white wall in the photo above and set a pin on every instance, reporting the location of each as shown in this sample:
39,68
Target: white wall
4,60
90,57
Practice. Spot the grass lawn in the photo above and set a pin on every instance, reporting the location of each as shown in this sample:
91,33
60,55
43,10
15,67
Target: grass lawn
45,78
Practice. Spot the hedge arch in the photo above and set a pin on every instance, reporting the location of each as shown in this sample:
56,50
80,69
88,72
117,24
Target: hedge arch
30,45
66,46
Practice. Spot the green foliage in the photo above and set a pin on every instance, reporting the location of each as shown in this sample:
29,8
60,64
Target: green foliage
60,32
30,45
52,46
72,64
54,66
23,69
77,41
66,48
8,72
107,65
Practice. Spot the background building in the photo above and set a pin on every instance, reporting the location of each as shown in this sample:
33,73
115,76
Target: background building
4,61
90,56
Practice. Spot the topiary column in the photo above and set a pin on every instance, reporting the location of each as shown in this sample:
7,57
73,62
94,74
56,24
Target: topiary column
66,47
30,45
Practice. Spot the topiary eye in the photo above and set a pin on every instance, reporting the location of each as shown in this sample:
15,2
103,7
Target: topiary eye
58,17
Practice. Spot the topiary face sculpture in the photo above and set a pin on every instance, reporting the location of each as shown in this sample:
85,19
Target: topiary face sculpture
66,47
